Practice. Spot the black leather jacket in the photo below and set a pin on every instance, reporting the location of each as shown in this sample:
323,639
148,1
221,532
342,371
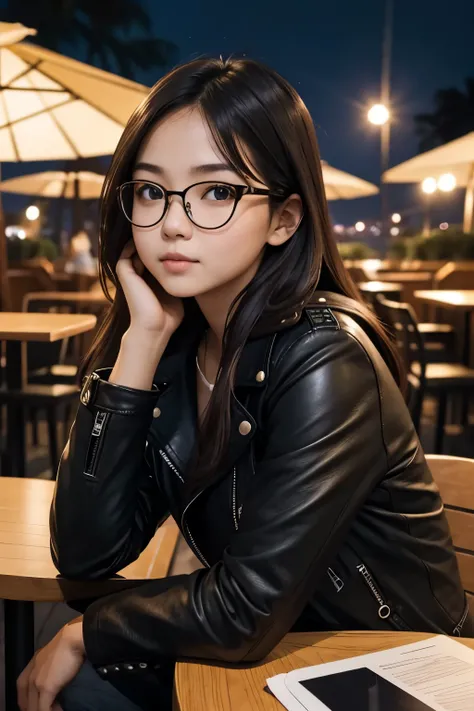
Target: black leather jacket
325,517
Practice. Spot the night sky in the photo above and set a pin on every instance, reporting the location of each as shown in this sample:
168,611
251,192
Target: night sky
331,53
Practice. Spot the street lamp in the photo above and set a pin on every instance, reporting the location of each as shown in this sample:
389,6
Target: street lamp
447,183
396,218
429,186
32,213
378,114
360,226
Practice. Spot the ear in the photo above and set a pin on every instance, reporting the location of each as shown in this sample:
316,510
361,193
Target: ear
285,221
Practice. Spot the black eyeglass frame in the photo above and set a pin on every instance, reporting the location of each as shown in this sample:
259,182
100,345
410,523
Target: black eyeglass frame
240,191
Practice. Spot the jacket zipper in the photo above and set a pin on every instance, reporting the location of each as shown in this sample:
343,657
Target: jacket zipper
384,609
457,630
235,513
184,526
97,434
170,464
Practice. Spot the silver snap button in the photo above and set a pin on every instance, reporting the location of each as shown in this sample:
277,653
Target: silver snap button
260,377
245,427
156,412
143,665
103,670
283,320
322,300
116,668
129,667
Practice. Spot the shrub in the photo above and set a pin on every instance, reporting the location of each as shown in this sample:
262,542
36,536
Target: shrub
356,250
451,244
19,250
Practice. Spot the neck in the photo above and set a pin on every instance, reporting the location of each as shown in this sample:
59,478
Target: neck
215,306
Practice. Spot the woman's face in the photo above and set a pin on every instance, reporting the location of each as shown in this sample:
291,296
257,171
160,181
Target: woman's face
179,152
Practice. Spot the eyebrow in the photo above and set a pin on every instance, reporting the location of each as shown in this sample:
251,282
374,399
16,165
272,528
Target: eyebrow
197,169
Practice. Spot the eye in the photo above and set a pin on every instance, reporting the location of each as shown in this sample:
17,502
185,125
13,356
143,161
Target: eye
148,192
220,192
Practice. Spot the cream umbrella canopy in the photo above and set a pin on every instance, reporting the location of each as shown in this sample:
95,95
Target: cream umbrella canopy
72,185
456,157
56,184
53,107
344,186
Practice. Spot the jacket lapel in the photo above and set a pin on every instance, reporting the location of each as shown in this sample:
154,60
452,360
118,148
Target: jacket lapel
176,427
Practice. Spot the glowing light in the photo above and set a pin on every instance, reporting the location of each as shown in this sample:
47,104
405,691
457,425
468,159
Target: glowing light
359,226
338,229
378,114
447,182
394,231
429,186
396,218
21,234
444,226
32,213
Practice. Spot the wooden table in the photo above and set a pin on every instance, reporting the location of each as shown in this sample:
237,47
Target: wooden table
405,277
461,300
27,572
68,298
200,687
380,287
16,327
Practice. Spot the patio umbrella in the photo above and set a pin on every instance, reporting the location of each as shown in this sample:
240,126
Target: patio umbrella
54,107
456,157
344,186
81,185
72,185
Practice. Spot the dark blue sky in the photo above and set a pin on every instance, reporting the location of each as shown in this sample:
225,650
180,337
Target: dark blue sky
331,52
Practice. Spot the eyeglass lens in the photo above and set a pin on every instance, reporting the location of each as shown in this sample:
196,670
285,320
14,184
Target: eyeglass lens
208,205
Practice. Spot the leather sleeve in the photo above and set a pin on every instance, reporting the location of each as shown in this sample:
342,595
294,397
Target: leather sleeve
106,505
323,455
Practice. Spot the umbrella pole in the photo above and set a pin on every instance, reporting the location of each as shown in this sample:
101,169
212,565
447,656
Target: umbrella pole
76,217
468,225
5,301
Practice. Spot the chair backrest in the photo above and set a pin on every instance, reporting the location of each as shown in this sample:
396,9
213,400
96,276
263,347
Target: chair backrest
401,322
455,479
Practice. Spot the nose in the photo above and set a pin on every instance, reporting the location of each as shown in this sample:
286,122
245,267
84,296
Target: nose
176,224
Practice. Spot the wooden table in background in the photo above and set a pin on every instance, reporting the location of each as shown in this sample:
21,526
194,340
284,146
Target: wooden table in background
27,572
405,277
15,328
73,298
201,687
460,300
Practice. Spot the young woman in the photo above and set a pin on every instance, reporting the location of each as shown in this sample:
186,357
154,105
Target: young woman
252,396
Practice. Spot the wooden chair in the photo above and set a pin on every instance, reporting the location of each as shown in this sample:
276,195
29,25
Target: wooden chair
455,479
440,379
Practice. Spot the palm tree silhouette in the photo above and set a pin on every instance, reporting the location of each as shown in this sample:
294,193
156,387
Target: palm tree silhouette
452,118
116,36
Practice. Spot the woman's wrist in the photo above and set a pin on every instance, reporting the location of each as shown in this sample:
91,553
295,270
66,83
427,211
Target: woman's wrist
74,635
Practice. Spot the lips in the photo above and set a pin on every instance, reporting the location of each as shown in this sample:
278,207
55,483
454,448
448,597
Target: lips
176,257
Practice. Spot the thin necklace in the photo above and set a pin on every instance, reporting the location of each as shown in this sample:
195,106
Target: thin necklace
209,386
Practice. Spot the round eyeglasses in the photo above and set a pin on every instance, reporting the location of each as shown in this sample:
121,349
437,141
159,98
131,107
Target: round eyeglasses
208,205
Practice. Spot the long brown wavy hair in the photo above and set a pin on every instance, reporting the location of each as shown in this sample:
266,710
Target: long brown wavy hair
251,111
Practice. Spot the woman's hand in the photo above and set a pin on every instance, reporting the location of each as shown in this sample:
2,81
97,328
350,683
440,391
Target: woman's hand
152,309
51,669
